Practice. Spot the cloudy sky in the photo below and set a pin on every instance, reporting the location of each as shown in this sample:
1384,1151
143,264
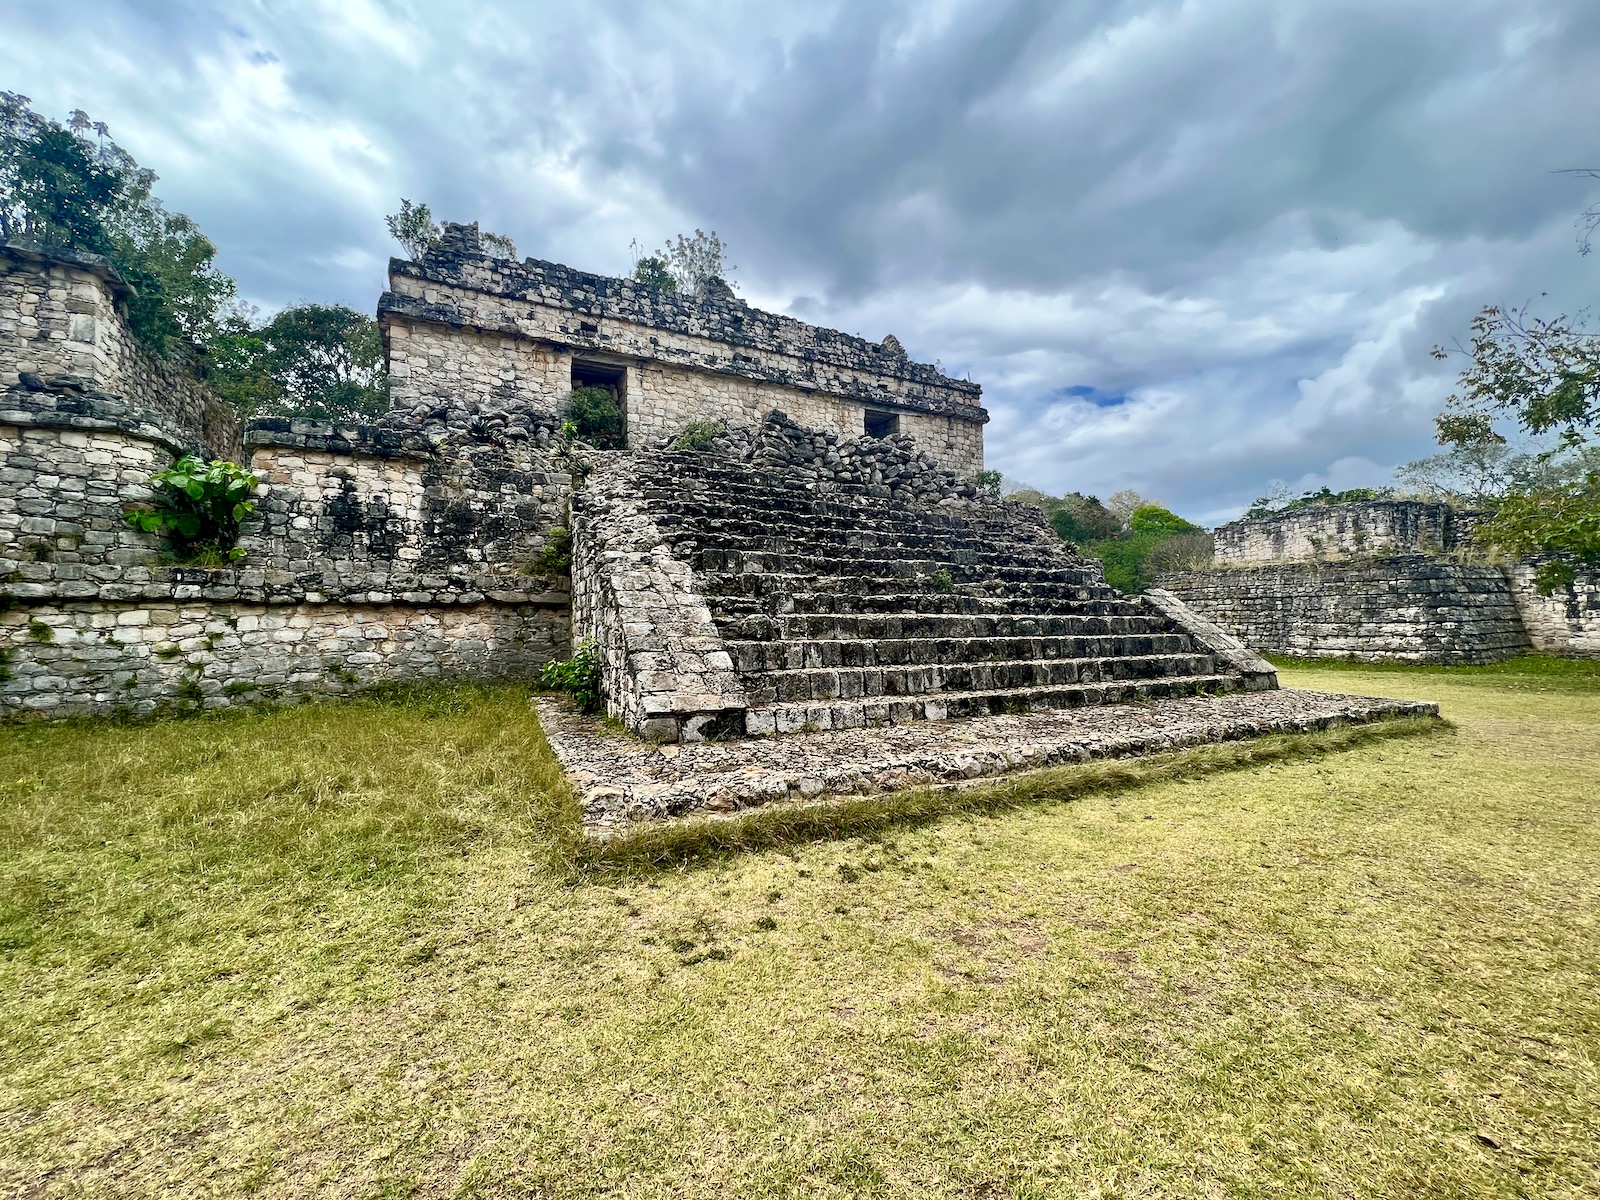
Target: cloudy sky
1188,248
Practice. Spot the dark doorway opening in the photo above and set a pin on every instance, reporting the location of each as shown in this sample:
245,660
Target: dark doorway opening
599,403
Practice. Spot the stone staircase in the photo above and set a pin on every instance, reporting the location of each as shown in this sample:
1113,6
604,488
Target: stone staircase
839,605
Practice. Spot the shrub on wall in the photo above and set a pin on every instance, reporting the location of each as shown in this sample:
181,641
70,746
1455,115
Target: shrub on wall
697,435
198,506
597,417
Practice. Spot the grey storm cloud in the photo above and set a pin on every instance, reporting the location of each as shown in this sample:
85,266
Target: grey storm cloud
1188,248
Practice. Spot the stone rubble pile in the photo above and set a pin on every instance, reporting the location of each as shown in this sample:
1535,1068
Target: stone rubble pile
474,420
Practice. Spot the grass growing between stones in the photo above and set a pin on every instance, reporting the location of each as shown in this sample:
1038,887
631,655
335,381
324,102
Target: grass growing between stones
342,950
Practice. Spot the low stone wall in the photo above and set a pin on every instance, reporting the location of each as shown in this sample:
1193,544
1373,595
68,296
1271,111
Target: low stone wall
1406,608
376,554
1564,622
101,656
1321,531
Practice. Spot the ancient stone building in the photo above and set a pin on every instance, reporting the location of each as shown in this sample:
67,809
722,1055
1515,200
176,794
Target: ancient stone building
828,561
1381,580
522,335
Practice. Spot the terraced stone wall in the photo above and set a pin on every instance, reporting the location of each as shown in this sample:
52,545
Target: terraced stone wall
376,555
1407,608
1564,622
63,332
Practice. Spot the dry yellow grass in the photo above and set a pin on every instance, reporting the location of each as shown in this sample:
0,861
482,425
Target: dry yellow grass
344,951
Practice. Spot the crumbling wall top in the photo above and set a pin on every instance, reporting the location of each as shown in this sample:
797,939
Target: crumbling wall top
716,313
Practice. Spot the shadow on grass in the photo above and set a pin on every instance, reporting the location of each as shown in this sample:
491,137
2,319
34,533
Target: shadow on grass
646,848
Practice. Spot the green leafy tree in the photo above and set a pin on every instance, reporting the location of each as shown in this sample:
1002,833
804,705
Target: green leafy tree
1083,519
685,264
319,361
415,229
1543,376
652,270
71,186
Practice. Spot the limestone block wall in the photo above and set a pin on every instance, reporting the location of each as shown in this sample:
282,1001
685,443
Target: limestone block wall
1406,608
665,672
1565,622
1362,529
63,491
683,358
64,656
375,555
61,316
363,502
432,364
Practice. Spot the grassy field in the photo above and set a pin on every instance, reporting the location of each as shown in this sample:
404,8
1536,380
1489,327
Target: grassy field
353,950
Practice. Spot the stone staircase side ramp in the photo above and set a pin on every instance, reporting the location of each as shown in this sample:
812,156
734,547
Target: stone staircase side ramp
1255,673
665,673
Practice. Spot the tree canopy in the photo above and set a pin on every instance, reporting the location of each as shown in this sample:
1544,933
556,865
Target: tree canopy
685,264
1540,377
1143,541
70,186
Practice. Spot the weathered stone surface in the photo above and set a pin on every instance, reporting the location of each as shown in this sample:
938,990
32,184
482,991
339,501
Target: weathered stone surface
61,327
620,780
1364,529
1383,580
1406,608
464,323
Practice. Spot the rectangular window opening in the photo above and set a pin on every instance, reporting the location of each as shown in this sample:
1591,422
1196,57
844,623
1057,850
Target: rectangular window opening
881,424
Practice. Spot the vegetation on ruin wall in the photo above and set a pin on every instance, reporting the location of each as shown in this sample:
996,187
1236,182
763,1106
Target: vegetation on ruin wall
595,416
1135,539
357,948
72,187
197,505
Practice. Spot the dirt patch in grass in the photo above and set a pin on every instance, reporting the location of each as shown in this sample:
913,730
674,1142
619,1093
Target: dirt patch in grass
342,951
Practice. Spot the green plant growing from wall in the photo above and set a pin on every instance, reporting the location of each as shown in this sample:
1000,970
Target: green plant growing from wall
578,677
697,435
198,506
988,483
597,417
555,556
942,581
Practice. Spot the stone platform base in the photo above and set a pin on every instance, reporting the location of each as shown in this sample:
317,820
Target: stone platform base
620,779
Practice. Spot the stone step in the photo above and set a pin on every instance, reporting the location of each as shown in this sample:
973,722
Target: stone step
914,582
962,569
732,517
794,654
1126,620
852,683
765,719
914,604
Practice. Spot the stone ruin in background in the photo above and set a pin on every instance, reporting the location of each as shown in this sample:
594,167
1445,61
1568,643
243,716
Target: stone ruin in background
1383,580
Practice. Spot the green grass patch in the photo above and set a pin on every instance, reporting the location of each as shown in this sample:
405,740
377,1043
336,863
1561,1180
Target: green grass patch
1535,670
343,949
